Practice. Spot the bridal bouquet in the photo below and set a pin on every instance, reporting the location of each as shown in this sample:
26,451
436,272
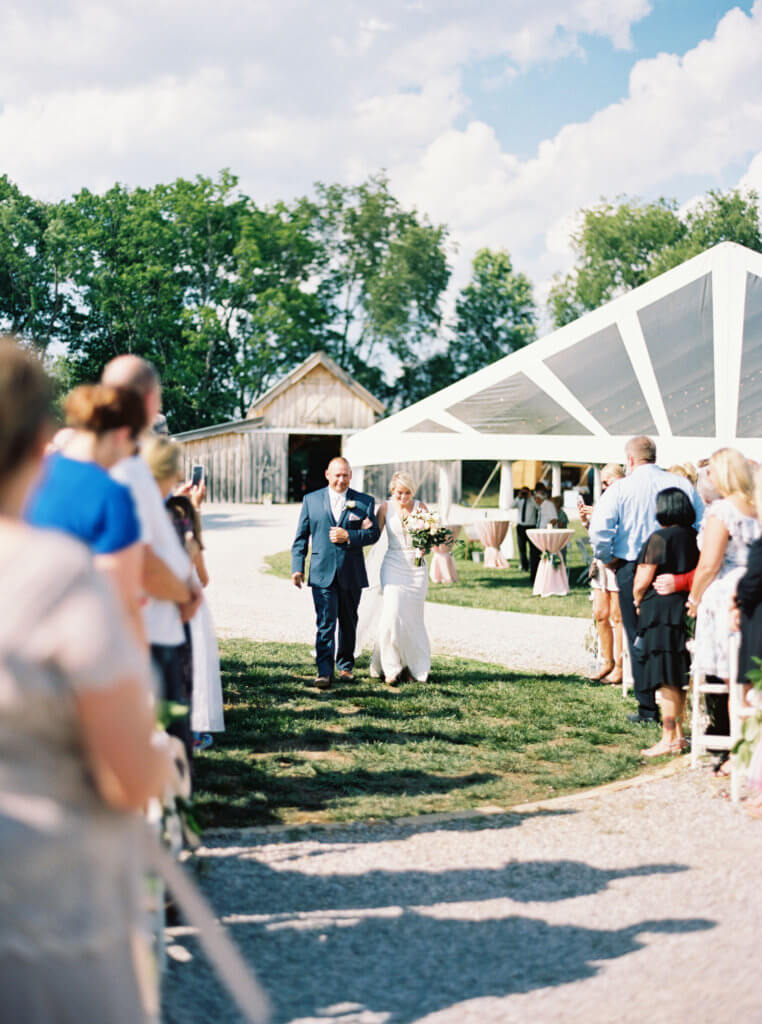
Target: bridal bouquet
426,532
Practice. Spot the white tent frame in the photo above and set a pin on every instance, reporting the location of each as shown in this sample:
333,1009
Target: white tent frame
391,440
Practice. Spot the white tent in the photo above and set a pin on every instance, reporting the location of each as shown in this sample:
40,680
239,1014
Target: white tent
679,359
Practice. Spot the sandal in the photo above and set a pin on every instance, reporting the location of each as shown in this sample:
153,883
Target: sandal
660,749
606,670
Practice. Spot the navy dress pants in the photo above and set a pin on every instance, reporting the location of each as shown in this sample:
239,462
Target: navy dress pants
335,605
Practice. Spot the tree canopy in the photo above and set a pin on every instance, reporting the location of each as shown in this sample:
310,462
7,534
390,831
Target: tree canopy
225,296
619,246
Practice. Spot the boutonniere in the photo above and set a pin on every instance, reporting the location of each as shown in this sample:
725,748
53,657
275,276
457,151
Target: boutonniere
351,504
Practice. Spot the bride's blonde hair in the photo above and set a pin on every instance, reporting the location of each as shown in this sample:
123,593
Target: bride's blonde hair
405,479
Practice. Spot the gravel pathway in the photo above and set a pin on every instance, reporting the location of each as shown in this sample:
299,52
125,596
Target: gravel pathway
636,905
248,602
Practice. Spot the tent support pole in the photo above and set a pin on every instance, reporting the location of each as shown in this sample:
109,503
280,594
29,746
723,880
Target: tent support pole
555,478
445,491
597,489
506,485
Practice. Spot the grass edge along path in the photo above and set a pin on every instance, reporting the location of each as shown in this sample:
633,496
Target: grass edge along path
476,734
504,590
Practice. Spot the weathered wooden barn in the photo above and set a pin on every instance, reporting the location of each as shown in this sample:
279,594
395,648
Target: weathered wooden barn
280,451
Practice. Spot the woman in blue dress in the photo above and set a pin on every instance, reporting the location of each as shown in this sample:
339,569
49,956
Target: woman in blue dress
77,495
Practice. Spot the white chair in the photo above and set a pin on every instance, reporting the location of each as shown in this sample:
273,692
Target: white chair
737,711
700,741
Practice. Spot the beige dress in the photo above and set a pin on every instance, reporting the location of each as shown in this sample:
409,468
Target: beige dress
69,866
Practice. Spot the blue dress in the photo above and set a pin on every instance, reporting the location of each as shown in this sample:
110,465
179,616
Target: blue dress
81,499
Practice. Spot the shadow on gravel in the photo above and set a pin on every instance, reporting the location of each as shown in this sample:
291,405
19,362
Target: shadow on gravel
256,888
404,965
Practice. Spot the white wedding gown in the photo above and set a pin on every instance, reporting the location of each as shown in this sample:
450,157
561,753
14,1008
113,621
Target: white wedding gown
401,640
207,713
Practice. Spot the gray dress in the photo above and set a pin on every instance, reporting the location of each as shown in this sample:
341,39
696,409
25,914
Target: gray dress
70,866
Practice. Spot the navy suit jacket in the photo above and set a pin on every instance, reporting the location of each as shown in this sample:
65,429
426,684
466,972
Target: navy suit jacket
343,562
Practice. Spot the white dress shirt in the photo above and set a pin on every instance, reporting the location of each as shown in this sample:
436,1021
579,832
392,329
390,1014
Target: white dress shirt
338,501
548,512
161,618
625,515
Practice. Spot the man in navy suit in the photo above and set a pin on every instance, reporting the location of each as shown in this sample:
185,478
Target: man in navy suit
341,522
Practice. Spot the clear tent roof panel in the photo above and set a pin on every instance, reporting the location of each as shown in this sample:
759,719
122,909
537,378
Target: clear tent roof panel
429,427
516,405
750,398
598,372
679,335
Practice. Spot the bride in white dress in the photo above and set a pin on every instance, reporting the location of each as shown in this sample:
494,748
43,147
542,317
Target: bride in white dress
402,642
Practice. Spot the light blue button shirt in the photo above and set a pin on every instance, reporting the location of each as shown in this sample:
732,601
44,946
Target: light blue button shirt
625,516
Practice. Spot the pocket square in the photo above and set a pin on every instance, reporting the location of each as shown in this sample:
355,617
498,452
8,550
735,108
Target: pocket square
352,516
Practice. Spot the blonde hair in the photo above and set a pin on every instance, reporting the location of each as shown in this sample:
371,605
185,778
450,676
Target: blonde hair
678,471
404,479
164,457
612,469
758,489
731,472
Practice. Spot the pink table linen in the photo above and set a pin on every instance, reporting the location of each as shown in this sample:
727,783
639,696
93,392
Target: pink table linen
551,580
442,568
491,532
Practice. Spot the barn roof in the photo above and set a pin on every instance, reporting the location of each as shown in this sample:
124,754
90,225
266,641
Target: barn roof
295,375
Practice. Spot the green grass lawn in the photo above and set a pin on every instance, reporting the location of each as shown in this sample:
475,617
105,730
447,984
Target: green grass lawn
505,590
475,734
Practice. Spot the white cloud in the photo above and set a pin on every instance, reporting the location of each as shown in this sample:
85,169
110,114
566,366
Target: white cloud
684,117
288,92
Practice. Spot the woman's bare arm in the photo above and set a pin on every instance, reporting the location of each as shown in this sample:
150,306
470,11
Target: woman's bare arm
715,541
381,516
125,570
117,725
644,575
200,566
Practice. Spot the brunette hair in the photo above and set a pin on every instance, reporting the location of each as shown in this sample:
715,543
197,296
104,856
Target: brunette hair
163,456
99,408
26,396
184,506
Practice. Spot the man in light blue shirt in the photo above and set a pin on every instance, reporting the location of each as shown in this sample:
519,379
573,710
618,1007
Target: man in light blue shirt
623,520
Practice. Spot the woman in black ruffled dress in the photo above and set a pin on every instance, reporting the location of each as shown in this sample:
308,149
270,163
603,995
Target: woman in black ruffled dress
661,618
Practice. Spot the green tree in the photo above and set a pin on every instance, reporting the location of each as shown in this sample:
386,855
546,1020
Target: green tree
32,266
124,255
619,246
382,274
494,314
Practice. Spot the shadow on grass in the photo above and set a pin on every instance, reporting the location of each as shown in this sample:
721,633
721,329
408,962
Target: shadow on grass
248,794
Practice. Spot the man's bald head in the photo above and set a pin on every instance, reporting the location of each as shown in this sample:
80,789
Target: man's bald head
338,474
640,450
131,371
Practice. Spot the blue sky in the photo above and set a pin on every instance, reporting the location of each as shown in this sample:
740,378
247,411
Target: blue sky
534,104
